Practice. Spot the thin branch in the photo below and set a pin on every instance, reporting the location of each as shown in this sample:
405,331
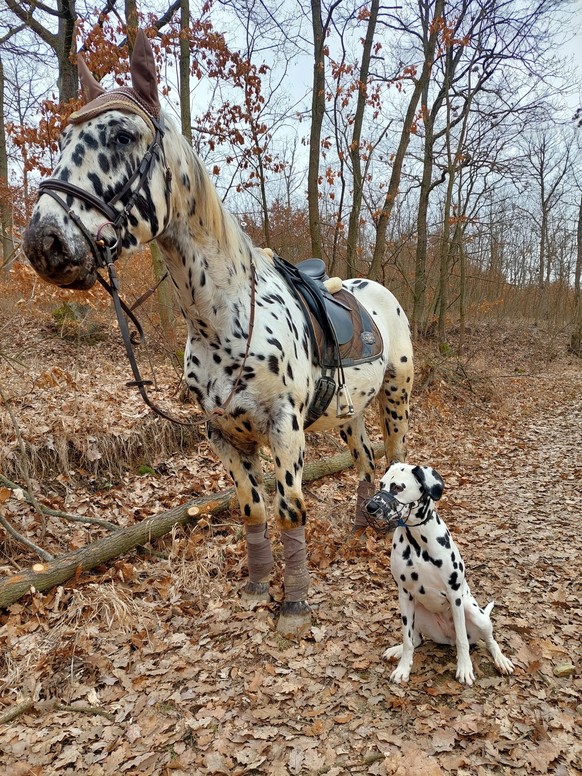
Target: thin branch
57,512
15,711
87,710
23,540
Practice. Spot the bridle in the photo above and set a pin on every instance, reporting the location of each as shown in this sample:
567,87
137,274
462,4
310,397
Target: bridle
104,252
107,252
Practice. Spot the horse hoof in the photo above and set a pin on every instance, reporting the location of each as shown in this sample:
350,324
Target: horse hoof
256,593
294,619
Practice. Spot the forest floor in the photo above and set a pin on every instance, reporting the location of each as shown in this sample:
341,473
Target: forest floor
151,664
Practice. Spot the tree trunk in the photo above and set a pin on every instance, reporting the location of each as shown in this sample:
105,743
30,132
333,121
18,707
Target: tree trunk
460,242
354,219
43,576
7,242
165,297
576,338
67,52
445,252
131,23
317,114
394,184
185,111
418,323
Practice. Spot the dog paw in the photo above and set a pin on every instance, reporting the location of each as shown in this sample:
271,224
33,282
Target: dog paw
465,673
504,665
393,653
400,675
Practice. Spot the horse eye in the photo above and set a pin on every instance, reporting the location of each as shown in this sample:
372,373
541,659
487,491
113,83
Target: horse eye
124,138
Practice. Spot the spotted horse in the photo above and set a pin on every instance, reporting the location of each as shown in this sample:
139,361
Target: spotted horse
125,176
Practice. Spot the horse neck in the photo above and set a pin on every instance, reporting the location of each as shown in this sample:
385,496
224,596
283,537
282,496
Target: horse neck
208,255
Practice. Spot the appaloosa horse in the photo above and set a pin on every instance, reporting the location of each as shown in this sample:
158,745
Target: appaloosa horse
125,177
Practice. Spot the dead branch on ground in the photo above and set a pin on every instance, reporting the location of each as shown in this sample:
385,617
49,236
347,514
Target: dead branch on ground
43,576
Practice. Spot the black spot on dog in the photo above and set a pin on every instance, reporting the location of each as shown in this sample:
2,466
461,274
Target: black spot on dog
454,582
444,541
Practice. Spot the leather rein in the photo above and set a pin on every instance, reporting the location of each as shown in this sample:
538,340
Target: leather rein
107,252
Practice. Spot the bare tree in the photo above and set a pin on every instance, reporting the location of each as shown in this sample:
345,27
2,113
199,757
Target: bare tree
430,26
576,337
62,41
320,21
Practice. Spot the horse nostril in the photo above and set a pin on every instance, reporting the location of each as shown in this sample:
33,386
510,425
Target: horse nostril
52,243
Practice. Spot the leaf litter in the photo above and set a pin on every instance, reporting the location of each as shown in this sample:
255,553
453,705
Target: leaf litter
152,665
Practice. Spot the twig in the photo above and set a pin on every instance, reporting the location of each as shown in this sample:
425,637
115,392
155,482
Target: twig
87,710
57,512
22,447
23,540
15,711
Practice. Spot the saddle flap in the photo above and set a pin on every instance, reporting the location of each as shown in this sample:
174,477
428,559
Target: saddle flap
361,340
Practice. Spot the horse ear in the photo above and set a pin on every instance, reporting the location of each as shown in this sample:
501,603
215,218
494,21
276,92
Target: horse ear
144,77
430,481
89,86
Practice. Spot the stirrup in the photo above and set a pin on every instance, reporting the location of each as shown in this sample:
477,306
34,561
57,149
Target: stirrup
344,406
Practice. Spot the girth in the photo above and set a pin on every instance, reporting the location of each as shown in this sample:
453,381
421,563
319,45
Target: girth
342,331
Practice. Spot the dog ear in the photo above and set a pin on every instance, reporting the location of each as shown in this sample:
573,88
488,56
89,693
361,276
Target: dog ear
430,481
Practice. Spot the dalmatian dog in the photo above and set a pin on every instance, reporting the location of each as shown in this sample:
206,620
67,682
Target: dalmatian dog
433,594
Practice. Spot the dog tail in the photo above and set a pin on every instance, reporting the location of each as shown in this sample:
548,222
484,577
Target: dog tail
489,607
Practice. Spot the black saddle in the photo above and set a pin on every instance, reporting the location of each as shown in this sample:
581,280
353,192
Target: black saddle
342,332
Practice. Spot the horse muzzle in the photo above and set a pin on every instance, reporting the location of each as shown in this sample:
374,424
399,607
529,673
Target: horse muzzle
58,259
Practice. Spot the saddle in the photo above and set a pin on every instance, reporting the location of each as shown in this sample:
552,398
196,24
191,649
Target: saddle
342,332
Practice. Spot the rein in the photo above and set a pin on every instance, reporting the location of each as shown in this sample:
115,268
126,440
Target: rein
123,312
106,253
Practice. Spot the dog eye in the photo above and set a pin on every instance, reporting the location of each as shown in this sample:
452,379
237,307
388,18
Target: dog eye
395,488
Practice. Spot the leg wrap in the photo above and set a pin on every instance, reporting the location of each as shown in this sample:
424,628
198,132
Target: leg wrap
365,491
259,554
296,574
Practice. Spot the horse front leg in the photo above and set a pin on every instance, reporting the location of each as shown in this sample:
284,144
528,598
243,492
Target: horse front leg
288,446
355,436
246,472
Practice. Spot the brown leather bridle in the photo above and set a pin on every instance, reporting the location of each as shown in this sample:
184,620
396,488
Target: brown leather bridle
106,252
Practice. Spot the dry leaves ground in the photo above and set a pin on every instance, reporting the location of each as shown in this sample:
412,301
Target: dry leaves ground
153,666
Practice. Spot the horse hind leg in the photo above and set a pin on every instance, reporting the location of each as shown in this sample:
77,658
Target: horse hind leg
393,405
355,436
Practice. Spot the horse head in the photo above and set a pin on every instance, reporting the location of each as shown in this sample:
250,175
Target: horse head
110,190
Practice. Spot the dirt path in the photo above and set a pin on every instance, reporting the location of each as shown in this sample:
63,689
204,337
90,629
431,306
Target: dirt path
185,681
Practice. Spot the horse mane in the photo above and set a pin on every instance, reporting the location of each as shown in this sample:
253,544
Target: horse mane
211,214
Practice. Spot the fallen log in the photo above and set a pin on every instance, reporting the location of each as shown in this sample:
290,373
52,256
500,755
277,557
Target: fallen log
43,576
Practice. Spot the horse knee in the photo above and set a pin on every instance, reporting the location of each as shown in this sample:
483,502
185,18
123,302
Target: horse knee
290,510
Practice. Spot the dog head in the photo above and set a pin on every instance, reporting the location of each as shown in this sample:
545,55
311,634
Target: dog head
406,491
